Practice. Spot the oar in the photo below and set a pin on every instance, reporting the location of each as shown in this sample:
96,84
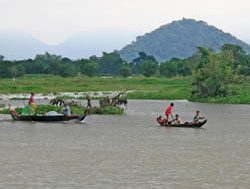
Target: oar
82,118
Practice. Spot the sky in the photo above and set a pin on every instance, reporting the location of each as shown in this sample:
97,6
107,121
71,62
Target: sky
53,21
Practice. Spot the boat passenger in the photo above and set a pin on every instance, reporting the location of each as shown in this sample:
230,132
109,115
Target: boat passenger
197,117
88,102
31,99
32,103
168,112
161,120
12,110
177,119
66,110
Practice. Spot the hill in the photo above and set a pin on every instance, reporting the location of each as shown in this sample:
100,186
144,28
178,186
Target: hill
179,39
20,45
15,45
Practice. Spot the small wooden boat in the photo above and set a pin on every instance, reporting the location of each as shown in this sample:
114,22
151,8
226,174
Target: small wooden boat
44,118
186,124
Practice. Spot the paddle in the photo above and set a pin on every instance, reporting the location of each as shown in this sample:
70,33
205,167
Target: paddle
82,118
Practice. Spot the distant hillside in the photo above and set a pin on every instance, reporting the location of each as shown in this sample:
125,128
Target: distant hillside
84,45
179,39
19,45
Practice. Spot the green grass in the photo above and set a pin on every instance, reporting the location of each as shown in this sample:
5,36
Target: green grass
145,88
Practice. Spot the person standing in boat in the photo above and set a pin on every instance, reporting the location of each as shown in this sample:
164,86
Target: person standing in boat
32,104
88,102
168,112
31,99
197,117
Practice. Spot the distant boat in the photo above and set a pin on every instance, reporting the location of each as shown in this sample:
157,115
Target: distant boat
186,124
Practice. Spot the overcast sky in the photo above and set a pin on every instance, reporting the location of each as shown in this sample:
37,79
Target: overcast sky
53,21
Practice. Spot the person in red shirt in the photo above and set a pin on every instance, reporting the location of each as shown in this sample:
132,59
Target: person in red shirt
31,99
32,103
161,120
168,111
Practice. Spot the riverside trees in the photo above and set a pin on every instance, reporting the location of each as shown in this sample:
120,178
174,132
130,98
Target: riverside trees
213,72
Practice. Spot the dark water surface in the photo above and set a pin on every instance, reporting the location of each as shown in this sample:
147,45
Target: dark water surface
129,151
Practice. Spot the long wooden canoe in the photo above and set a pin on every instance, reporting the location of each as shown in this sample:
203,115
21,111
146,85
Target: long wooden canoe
43,118
186,124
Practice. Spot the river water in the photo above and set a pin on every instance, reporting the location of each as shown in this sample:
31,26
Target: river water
130,151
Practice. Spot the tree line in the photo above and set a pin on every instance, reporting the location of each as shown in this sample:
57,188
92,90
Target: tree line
212,72
107,64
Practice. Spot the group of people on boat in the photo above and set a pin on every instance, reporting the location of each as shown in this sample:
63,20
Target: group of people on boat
32,107
177,120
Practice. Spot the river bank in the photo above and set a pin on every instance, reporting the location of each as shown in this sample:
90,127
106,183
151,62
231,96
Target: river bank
48,87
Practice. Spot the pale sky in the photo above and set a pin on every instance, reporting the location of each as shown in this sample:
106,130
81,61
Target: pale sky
52,21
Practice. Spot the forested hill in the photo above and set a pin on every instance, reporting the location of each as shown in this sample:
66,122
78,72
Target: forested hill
179,39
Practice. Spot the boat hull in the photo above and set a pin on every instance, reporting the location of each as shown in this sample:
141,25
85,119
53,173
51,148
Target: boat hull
186,124
43,118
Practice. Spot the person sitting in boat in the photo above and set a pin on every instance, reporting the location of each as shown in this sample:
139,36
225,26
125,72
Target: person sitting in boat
197,117
12,110
177,119
66,110
161,120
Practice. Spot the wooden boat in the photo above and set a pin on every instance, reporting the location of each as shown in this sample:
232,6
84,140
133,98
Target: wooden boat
186,124
43,118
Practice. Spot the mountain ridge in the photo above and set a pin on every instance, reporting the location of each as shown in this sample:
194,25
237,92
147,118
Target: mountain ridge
179,39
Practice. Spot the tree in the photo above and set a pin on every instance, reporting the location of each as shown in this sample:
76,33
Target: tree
212,77
110,63
1,58
88,67
236,57
15,71
136,63
125,70
149,68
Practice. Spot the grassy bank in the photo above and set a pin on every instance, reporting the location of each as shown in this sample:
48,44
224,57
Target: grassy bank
240,95
144,88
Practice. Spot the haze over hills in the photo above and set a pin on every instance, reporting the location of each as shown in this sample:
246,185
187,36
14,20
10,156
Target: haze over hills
20,45
177,39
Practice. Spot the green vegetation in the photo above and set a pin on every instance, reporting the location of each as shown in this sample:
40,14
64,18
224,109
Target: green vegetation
207,76
143,87
79,110
240,94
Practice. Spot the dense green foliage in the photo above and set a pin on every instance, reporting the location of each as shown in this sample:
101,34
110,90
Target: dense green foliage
108,64
179,39
78,110
215,73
